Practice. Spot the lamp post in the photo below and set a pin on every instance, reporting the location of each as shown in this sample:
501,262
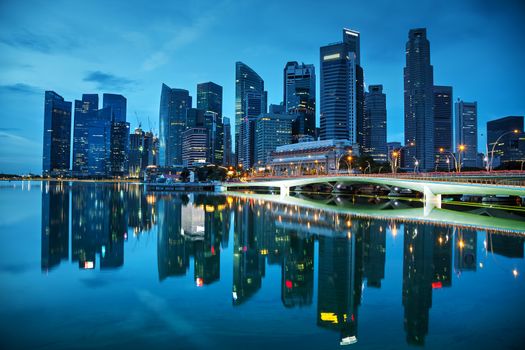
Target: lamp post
461,149
341,156
416,165
393,160
456,166
490,165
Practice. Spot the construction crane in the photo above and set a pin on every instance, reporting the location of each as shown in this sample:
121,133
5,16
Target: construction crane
138,121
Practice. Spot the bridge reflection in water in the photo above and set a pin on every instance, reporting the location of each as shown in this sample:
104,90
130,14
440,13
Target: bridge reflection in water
351,241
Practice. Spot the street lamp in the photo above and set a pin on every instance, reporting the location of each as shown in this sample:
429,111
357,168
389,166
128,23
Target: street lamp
337,165
416,165
456,166
393,161
490,164
461,149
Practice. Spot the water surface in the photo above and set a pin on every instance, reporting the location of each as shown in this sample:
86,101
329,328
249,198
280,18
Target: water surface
93,265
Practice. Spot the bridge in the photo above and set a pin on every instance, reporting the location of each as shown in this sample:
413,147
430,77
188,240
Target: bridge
431,189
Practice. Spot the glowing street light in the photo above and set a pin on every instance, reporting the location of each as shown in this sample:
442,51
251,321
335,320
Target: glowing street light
490,164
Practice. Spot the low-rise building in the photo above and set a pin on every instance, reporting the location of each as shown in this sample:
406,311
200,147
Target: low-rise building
316,157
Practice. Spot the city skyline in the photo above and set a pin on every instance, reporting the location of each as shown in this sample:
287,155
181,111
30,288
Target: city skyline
41,56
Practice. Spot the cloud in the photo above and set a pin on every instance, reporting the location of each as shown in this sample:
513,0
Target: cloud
43,43
107,81
20,88
179,38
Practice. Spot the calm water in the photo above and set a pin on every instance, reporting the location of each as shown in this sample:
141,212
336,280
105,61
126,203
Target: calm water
111,266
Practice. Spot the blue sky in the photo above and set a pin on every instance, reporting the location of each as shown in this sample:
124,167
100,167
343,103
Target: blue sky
132,47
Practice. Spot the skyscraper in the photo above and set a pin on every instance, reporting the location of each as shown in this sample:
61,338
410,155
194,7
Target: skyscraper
374,126
253,107
119,134
209,97
419,117
299,98
227,160
342,89
271,131
172,122
467,131
246,81
86,112
118,106
510,137
99,143
442,125
57,135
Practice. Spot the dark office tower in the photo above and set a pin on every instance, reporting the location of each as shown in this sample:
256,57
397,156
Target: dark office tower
465,250
442,126
442,257
419,85
55,225
246,80
99,143
194,118
342,90
172,122
117,103
253,107
137,148
215,128
336,302
209,98
417,281
119,148
57,135
86,113
374,125
510,137
227,141
299,97
172,251
467,131
374,253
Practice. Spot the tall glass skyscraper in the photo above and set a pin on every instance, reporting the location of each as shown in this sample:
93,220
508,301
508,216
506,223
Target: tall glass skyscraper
57,135
209,98
227,159
86,113
374,144
467,131
419,96
172,122
342,90
118,106
443,125
246,81
299,97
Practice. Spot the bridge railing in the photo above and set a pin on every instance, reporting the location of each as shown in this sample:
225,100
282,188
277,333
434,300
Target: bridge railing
505,178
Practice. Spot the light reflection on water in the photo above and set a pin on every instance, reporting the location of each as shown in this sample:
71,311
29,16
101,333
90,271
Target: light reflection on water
106,265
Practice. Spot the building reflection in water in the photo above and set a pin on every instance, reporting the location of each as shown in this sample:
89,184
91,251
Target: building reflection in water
55,225
196,227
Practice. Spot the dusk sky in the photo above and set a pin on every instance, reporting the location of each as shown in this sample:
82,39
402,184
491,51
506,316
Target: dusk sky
132,47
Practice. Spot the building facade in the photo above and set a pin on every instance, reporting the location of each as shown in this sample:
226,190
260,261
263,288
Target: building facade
86,113
118,105
209,97
246,81
442,125
271,131
467,132
315,157
418,100
299,98
374,144
172,122
196,147
506,140
342,90
119,149
57,135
